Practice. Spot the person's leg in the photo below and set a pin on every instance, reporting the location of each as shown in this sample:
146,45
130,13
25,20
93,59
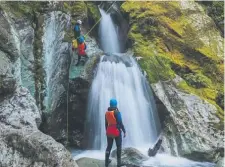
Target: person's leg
79,56
118,145
86,58
108,150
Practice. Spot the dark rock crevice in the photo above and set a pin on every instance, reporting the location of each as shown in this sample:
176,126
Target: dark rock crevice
39,72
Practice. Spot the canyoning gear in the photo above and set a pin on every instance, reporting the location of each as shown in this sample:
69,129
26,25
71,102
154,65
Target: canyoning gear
112,130
113,126
113,103
81,49
79,22
118,152
81,39
74,45
107,160
109,148
111,121
77,30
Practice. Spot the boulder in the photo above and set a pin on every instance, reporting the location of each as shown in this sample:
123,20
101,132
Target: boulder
220,163
90,162
130,156
187,115
21,142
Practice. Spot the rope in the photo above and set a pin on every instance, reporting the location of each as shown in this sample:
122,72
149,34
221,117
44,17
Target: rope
98,21
67,108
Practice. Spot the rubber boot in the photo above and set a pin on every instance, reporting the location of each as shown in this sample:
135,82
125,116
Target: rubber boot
118,156
107,159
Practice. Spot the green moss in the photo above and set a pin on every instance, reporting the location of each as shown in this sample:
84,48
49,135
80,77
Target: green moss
207,94
76,8
93,11
215,9
156,65
170,44
22,9
197,80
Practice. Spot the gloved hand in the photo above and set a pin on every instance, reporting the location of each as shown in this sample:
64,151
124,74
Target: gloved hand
124,135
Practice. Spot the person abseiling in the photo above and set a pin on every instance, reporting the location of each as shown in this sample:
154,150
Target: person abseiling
113,125
81,49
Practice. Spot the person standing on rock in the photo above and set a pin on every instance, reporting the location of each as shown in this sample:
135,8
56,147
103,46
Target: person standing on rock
81,50
113,125
77,33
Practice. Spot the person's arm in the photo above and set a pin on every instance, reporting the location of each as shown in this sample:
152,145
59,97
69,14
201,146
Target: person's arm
119,121
106,123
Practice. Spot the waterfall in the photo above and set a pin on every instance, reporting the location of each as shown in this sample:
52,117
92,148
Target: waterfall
120,77
108,36
54,61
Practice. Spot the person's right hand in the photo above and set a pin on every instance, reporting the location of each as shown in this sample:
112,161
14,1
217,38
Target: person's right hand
124,135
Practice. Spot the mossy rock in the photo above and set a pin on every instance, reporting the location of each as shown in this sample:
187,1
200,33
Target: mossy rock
75,8
93,11
22,9
170,44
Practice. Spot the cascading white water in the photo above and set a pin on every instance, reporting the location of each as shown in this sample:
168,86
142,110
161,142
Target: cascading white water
130,88
108,36
120,77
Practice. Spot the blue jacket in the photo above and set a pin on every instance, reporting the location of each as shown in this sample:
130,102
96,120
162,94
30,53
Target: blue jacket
77,28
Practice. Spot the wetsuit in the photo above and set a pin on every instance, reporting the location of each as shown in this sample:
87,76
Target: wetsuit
118,139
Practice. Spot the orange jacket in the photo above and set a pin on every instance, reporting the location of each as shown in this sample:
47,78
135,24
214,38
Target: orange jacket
81,49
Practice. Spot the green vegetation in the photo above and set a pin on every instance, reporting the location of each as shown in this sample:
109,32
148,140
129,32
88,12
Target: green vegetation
215,9
23,9
169,42
93,11
75,8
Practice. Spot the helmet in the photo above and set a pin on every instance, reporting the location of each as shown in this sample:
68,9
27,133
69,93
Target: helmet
113,103
79,21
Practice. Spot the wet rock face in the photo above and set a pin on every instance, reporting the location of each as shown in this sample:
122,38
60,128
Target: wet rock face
26,38
7,80
9,56
22,144
8,39
73,98
58,122
78,99
188,116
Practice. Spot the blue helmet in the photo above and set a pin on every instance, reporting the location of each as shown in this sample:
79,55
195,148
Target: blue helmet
113,103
